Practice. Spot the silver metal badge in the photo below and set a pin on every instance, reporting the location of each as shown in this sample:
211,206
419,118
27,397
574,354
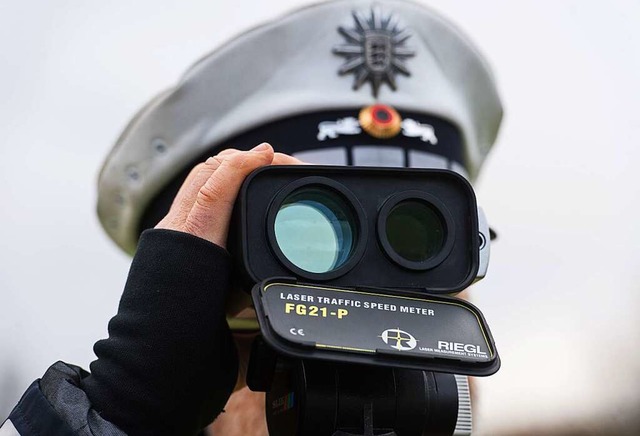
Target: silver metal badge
333,129
415,129
375,49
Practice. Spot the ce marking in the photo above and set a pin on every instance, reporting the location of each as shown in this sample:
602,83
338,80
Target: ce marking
296,332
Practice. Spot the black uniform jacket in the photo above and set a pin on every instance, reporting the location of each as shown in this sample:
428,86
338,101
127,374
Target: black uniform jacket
169,364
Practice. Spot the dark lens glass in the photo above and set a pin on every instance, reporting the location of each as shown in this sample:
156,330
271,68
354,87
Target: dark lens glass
415,230
315,229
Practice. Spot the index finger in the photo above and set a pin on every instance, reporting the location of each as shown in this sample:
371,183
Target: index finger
285,159
210,215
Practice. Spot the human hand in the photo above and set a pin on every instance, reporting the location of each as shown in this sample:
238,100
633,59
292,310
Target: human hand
204,203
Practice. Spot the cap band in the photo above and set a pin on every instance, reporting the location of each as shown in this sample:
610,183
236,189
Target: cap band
427,142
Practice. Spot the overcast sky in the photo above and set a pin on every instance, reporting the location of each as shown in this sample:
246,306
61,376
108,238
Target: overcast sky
561,187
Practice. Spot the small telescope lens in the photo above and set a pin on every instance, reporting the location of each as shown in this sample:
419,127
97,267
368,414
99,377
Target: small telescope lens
315,229
415,230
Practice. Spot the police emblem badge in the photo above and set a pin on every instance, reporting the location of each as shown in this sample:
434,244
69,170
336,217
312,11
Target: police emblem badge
375,49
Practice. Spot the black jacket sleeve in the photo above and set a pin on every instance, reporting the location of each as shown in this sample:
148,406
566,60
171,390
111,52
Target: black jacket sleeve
169,364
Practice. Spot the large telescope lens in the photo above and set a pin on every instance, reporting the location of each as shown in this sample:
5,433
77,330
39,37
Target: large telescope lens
315,229
415,230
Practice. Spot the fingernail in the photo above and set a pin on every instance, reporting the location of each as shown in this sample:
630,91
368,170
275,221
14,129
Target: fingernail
262,147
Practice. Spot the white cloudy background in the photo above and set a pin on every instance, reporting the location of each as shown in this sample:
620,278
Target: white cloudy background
562,188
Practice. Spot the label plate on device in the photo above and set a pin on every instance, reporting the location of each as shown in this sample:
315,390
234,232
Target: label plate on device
430,332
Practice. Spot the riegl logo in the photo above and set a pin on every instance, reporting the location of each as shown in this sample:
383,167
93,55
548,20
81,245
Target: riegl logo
399,339
459,347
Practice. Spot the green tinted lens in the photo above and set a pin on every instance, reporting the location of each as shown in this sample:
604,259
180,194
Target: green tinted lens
415,230
315,229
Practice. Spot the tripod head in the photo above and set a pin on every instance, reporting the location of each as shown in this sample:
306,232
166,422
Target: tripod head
316,398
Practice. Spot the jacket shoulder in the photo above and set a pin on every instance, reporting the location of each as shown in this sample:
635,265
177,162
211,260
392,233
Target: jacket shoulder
57,405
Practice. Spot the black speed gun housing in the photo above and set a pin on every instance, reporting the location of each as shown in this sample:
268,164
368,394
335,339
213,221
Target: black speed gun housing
352,272
398,228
